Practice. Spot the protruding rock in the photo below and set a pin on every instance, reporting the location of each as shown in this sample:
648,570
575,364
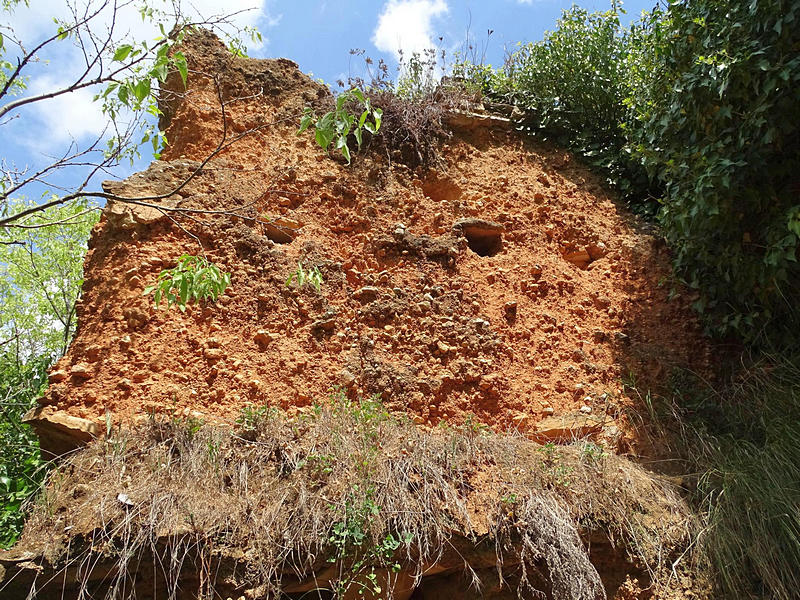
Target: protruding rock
596,251
212,354
264,338
566,428
580,259
346,378
59,432
80,371
325,325
443,347
57,376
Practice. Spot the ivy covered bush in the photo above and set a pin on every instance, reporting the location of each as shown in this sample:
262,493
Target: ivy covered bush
572,88
21,467
718,125
696,105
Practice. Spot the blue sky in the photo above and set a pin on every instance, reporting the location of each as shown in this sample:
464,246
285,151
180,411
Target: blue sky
317,34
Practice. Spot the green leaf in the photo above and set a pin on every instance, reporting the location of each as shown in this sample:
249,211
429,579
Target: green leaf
160,70
180,63
122,94
122,52
305,121
141,89
324,138
184,290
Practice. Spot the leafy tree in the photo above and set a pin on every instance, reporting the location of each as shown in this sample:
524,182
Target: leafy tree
717,106
21,466
41,273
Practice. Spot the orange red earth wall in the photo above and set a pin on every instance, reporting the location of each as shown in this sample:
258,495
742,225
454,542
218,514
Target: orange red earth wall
506,286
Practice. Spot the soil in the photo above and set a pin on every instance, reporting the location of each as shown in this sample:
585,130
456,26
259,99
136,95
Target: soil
507,286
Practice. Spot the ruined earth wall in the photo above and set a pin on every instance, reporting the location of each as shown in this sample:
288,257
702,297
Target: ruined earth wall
506,284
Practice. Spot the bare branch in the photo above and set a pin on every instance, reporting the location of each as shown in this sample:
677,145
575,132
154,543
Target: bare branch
66,221
21,64
148,201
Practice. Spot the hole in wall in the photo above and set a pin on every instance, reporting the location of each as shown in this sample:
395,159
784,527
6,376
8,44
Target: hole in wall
484,243
484,238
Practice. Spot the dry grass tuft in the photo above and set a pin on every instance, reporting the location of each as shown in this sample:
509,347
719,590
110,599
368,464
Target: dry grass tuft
347,497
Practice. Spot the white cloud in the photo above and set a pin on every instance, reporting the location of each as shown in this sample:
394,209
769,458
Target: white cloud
63,118
406,25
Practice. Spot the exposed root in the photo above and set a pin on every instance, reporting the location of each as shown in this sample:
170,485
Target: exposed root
347,498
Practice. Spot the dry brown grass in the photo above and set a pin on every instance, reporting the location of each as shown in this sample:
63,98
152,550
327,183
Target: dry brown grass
316,498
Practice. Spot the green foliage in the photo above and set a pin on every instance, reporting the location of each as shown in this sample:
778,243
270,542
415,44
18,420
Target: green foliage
7,67
335,126
742,438
145,66
509,498
321,464
417,76
571,88
553,466
354,550
359,423
481,79
591,453
718,110
41,273
473,427
236,43
572,82
304,277
194,279
751,488
251,417
21,467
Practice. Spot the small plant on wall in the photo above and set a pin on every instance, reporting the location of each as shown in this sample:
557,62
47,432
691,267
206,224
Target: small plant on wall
335,126
303,277
193,279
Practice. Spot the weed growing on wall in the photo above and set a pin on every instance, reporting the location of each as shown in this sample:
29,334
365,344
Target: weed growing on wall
194,279
305,277
335,127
